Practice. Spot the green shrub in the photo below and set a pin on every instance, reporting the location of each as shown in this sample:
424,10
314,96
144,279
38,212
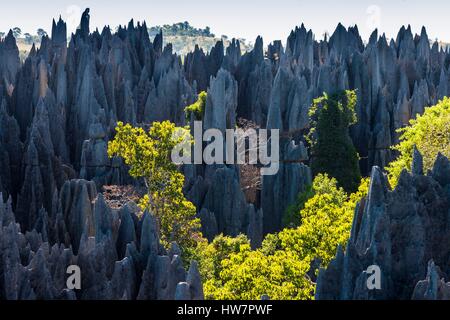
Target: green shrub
198,108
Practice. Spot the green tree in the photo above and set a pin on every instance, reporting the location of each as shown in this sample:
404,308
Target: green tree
326,220
207,32
148,156
211,255
17,32
181,29
197,108
332,150
430,133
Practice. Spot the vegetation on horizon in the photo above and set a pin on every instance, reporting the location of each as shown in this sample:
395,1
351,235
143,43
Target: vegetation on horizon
182,36
181,29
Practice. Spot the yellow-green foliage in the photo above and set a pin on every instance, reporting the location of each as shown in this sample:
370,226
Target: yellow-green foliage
198,108
210,256
148,156
247,275
250,274
326,221
430,133
280,268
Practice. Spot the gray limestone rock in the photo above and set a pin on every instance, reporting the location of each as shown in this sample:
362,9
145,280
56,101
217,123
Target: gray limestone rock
221,104
433,287
400,231
209,224
59,108
194,281
227,201
282,189
77,197
417,163
183,292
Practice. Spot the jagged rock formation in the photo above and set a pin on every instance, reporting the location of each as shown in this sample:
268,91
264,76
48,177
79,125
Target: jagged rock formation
281,190
433,287
221,103
80,89
58,110
404,232
199,67
119,254
224,207
9,62
394,82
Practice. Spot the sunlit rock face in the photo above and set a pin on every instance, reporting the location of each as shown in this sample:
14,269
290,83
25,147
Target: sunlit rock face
404,232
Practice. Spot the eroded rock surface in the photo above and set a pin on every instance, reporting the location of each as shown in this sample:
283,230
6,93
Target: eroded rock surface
115,262
404,232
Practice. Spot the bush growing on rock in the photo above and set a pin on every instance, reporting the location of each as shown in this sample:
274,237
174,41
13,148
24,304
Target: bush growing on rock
211,255
197,108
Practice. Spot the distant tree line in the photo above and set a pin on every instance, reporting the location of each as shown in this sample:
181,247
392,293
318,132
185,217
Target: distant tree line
177,29
28,37
181,29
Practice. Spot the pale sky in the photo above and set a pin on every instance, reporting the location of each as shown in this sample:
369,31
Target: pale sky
238,18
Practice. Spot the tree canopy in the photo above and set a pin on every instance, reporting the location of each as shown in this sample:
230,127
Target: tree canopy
181,29
17,32
429,133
